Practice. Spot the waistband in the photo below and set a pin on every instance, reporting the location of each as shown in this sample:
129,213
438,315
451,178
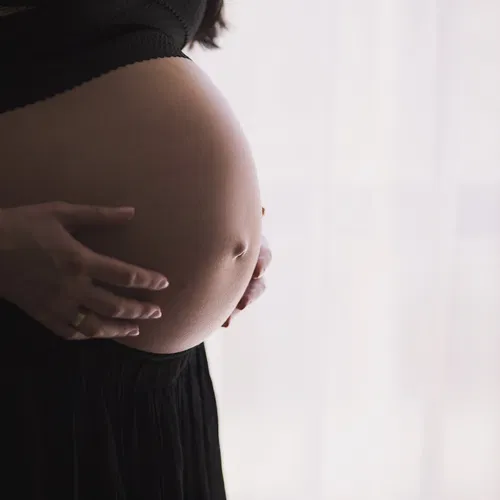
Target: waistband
28,347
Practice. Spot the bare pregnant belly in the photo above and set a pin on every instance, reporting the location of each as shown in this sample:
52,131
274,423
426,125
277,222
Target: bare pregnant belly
156,135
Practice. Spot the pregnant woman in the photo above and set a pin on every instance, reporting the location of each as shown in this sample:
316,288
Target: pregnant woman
100,106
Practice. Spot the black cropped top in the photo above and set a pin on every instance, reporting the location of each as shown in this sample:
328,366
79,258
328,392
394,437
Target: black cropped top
50,46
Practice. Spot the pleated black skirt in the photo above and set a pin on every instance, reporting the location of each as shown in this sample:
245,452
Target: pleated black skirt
95,420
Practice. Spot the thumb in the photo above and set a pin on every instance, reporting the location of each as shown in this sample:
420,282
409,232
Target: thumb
73,216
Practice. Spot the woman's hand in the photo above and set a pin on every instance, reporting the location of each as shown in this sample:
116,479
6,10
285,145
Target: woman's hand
257,285
50,275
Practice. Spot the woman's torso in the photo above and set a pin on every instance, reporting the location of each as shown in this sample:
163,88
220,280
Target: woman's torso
156,135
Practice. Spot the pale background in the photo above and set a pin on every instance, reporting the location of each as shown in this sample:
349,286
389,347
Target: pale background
369,371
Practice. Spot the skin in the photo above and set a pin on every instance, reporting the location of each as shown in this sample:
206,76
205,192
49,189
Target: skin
157,136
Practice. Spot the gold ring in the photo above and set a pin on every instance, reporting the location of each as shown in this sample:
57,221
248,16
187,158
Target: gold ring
80,318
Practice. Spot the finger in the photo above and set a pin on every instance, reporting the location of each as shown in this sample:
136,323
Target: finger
254,290
77,336
63,330
114,272
69,333
66,311
109,305
84,215
93,326
263,262
260,267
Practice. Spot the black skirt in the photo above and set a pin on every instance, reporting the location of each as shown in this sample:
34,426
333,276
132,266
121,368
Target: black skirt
95,420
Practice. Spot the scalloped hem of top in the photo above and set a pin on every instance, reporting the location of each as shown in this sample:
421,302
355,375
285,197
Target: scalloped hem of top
43,80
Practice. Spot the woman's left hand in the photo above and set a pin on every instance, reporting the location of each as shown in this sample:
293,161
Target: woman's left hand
257,284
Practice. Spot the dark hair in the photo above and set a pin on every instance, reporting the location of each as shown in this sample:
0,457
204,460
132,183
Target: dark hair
211,26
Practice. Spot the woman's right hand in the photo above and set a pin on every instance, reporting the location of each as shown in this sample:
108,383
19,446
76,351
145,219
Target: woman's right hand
52,277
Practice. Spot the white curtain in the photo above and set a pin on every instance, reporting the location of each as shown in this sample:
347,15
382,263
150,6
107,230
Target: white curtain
370,369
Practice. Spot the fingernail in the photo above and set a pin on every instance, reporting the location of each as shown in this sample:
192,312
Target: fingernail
156,314
163,283
128,211
258,271
133,333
